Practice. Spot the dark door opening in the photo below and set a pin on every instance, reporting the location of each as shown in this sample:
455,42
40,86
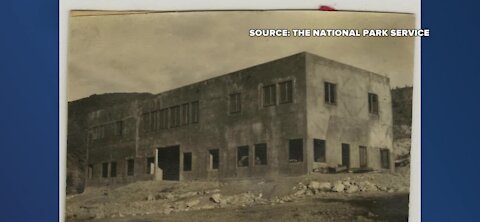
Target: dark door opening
363,156
346,155
169,162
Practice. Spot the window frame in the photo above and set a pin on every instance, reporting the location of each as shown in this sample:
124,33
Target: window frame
324,153
287,87
290,153
235,103
373,104
273,98
243,148
328,93
191,162
255,152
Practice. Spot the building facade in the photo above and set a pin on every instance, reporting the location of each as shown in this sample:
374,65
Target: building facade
284,117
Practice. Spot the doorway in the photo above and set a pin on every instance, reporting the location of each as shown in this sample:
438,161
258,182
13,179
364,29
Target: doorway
346,155
169,162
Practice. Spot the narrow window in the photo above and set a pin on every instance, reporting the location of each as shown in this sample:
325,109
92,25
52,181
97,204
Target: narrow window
373,103
261,154
113,169
295,150
175,116
269,95
130,167
195,112
346,155
187,161
185,114
235,103
385,158
363,156
286,91
319,150
330,93
119,128
104,170
150,168
214,159
164,118
242,156
90,171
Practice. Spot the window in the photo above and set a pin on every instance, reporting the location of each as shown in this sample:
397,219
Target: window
269,95
146,122
98,132
104,170
164,118
319,151
363,156
113,169
330,93
90,171
286,91
242,156
295,150
235,103
214,159
175,116
385,158
119,128
150,168
185,113
187,161
130,167
261,154
195,112
373,103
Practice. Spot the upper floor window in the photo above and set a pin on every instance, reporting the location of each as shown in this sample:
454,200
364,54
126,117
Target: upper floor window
119,128
235,103
163,118
330,93
286,91
175,116
269,95
373,103
195,112
185,113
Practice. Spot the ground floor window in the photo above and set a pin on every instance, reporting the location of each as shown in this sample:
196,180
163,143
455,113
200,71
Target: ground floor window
104,170
261,154
130,167
214,159
363,156
242,156
295,150
113,169
385,158
187,161
90,171
150,165
319,150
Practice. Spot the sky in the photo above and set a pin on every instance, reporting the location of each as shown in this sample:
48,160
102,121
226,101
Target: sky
155,52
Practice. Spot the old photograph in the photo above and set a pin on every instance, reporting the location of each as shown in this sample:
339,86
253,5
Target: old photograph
235,116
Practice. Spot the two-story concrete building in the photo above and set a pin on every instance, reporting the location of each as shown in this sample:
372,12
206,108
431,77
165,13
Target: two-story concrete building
284,117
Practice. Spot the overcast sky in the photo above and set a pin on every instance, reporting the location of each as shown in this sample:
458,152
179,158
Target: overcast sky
155,52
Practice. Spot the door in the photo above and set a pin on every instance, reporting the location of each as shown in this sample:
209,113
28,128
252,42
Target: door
169,162
363,156
346,155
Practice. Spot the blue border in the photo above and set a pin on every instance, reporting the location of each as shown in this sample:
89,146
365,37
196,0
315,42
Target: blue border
29,111
450,110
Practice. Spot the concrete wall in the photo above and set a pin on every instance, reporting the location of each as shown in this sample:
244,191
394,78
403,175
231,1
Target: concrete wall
218,129
349,120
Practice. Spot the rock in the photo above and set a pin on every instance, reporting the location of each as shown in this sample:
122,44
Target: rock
299,193
338,187
352,189
165,196
187,194
319,186
192,203
150,197
313,185
216,198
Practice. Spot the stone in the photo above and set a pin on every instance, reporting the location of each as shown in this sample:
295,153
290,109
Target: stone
338,187
150,197
352,189
192,203
216,198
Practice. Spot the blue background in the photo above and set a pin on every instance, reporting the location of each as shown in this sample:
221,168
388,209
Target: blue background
29,111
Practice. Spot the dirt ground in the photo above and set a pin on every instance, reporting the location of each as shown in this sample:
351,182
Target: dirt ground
260,199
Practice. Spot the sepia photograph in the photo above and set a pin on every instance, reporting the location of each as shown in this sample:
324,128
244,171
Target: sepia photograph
292,115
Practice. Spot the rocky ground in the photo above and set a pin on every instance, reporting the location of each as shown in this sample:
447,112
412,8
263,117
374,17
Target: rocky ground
373,196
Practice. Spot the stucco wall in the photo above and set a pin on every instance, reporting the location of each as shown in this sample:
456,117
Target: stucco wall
349,120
